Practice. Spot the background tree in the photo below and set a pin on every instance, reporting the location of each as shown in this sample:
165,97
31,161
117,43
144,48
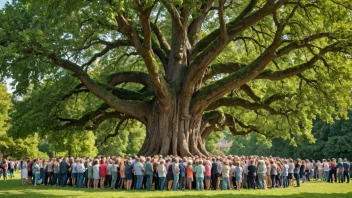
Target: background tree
182,68
332,140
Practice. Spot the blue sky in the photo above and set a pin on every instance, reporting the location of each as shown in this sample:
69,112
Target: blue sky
2,2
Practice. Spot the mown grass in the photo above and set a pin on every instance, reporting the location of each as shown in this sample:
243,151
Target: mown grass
13,188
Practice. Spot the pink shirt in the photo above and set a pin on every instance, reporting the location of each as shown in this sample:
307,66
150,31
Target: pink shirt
207,170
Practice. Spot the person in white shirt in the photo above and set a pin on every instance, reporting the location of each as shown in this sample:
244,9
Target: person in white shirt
291,167
80,169
320,170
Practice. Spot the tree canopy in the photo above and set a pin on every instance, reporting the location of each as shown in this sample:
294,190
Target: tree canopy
182,68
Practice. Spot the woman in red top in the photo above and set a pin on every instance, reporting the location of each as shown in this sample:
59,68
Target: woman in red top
102,172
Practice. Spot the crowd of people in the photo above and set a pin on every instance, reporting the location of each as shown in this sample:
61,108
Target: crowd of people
176,173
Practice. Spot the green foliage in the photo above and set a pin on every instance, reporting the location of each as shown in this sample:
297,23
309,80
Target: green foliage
127,141
73,143
331,141
210,142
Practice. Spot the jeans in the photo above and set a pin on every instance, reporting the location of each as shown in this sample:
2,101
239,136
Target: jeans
214,179
284,182
63,181
326,175
346,174
303,176
297,178
225,183
176,178
107,181
55,178
162,183
200,183
36,178
182,183
114,178
139,181
80,177
149,182
251,180
261,180
46,177
273,181
340,175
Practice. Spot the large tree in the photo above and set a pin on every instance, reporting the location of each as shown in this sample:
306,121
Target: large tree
191,66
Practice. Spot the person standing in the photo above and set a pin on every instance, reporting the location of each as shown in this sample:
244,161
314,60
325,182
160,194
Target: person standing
207,175
176,172
273,173
113,170
162,174
200,170
24,171
252,173
239,175
102,172
56,171
96,174
148,167
291,166
285,167
64,172
346,174
261,174
340,170
296,172
214,174
182,180
189,174
326,168
225,175
80,169
139,172
320,168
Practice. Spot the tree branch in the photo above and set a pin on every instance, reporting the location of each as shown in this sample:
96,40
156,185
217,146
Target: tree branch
196,24
204,55
293,71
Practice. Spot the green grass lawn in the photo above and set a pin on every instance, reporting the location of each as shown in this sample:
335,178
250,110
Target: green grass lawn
13,188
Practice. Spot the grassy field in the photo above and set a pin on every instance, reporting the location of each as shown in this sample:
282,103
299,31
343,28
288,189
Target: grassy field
13,188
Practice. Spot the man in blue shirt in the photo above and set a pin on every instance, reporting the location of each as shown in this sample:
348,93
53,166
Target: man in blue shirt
182,175
346,174
64,171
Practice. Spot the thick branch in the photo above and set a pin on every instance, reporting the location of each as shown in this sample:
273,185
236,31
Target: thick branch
293,71
196,24
222,68
161,38
239,102
132,108
130,76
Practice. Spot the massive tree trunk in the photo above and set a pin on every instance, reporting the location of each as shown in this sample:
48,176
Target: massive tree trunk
173,131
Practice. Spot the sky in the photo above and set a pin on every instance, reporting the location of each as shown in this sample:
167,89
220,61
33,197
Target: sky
8,81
